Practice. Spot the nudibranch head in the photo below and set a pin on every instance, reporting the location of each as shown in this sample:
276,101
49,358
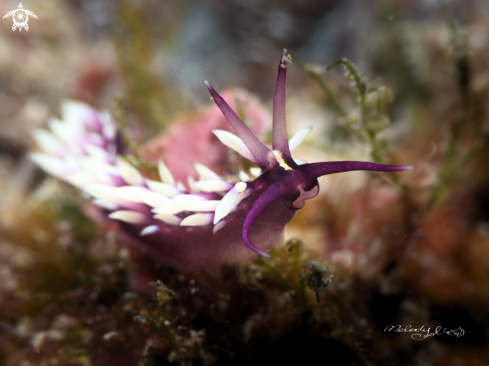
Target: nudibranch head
205,222
282,177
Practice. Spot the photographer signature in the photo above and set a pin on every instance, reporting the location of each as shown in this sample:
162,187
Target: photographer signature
423,333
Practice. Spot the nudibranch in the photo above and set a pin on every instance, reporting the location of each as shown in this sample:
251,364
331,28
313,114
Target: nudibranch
206,222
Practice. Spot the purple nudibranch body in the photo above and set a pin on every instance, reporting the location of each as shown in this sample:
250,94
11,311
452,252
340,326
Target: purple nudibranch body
282,176
205,224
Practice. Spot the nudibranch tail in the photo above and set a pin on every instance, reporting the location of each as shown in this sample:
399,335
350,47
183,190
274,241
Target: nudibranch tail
280,141
256,147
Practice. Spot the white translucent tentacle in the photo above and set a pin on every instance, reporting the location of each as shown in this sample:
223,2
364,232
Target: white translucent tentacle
154,199
165,174
163,188
130,193
130,174
148,230
168,219
235,143
297,139
131,217
212,185
197,220
206,173
205,206
226,204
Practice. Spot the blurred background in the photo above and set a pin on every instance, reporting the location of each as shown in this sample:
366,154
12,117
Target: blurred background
410,250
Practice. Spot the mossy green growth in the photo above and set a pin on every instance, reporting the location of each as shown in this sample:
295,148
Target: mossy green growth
295,274
144,93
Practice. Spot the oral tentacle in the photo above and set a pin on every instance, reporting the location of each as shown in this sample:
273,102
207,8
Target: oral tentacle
267,197
316,170
256,147
279,139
